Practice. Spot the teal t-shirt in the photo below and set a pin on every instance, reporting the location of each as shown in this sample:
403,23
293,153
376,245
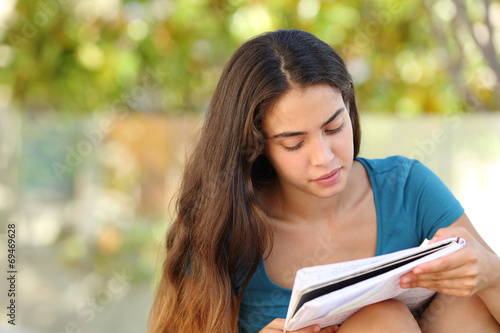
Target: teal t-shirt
412,203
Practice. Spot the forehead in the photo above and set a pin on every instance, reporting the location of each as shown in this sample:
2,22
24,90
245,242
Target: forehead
302,105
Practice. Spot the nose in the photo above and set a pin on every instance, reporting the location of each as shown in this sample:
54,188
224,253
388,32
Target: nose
321,152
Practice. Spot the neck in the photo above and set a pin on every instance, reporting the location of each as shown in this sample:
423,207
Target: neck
310,210
300,208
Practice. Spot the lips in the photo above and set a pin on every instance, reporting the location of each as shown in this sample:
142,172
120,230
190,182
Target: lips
329,178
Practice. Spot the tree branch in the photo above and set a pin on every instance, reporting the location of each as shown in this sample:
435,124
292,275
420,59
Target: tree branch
456,63
488,50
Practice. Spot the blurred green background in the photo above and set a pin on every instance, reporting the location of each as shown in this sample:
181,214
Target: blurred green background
100,100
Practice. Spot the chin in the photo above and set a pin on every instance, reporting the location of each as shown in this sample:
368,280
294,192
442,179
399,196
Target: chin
329,192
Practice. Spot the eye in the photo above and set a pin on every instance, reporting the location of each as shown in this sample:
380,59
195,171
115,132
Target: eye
335,130
294,147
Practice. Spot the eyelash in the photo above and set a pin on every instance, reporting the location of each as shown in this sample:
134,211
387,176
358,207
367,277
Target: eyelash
293,148
336,130
333,131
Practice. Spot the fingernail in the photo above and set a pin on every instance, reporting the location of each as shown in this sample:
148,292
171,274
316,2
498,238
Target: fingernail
406,280
317,329
418,271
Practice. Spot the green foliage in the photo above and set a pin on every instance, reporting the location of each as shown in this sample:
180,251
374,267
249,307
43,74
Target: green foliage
93,56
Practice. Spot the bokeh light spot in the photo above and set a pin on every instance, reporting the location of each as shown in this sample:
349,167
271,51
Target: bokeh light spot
137,29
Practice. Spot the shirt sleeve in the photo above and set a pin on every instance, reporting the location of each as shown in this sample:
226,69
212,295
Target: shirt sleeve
429,201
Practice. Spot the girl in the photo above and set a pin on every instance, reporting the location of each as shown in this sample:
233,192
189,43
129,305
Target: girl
275,184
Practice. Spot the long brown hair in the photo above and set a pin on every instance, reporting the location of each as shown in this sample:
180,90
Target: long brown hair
221,231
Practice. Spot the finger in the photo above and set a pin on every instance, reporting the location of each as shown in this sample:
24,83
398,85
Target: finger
462,271
447,263
455,292
329,329
279,323
317,329
309,329
462,287
440,235
411,280
449,232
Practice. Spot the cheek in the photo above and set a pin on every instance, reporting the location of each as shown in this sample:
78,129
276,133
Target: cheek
348,138
343,145
349,144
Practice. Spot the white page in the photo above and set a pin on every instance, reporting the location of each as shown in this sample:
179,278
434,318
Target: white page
337,306
316,275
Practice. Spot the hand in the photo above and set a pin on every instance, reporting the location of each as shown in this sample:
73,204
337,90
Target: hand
463,273
278,324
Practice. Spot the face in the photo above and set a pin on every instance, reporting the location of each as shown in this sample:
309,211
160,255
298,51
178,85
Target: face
310,142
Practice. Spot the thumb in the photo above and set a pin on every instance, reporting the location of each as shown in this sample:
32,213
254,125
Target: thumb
441,234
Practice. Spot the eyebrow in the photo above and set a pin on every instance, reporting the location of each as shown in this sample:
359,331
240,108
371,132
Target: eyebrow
290,134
